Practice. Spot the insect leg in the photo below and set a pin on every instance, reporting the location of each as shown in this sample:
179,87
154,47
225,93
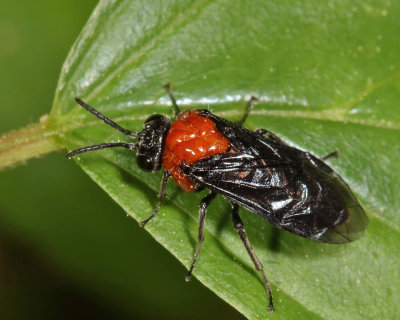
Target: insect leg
204,203
334,154
177,111
161,196
250,105
238,224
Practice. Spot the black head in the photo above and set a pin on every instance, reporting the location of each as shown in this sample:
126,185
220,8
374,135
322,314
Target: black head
151,142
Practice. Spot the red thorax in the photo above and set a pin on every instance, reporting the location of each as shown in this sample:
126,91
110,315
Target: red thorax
190,139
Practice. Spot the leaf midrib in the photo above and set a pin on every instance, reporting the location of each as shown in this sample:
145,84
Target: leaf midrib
317,115
323,115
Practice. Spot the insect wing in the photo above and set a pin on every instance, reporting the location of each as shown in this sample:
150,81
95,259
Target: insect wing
291,189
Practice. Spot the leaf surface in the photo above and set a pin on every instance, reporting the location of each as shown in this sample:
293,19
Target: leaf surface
327,78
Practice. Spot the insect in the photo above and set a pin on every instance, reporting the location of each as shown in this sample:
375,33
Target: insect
290,188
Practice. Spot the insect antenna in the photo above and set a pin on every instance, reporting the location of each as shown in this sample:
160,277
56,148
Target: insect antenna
130,146
105,119
111,123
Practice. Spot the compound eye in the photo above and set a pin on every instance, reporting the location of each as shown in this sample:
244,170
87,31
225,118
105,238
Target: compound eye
145,163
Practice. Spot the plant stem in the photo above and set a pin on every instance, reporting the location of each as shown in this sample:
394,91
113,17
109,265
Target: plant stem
32,141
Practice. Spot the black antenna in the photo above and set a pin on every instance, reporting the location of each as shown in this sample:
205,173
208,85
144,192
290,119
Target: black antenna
105,119
130,146
111,123
177,111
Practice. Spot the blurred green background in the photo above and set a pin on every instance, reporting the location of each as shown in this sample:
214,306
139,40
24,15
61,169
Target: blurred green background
72,259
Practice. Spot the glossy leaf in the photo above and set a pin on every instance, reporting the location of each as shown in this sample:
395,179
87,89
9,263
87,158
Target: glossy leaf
327,77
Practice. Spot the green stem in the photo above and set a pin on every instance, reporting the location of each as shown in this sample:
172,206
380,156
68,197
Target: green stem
32,141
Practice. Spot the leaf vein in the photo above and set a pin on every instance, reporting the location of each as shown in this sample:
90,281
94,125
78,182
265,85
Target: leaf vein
179,20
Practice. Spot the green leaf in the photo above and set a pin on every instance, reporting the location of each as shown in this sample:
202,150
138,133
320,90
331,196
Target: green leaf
327,77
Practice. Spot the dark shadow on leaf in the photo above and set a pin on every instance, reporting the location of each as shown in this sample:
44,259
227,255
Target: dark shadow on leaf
225,219
130,179
274,243
225,222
